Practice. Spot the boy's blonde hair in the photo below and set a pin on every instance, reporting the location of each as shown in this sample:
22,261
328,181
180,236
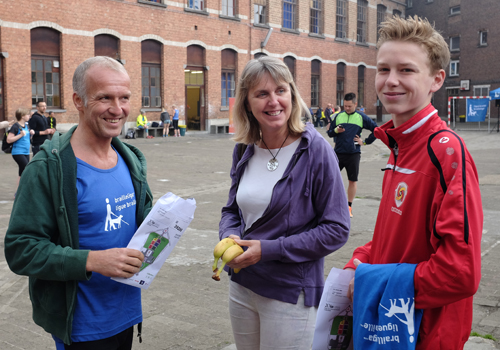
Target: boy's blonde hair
419,31
21,112
247,129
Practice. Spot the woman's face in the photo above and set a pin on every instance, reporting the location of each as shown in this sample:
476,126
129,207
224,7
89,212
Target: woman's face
271,104
26,118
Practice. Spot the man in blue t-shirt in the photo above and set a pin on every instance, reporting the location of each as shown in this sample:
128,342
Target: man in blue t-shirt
90,196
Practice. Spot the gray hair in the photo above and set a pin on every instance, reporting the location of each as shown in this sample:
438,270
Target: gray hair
80,76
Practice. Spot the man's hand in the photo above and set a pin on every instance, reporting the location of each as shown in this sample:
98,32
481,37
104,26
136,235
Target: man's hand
116,262
358,140
250,257
339,129
350,290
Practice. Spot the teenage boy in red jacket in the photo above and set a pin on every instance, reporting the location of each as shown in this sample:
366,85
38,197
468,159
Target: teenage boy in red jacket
430,213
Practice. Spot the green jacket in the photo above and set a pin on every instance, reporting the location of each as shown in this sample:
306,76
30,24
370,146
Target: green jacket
42,239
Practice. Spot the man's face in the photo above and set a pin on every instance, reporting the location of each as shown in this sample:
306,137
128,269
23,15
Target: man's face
108,102
404,82
42,106
349,107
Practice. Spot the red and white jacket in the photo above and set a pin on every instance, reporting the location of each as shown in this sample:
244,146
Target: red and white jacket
431,215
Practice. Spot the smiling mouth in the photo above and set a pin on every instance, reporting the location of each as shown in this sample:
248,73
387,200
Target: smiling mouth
112,120
273,113
393,93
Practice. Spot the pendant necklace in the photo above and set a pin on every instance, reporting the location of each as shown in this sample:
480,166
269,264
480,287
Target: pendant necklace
273,163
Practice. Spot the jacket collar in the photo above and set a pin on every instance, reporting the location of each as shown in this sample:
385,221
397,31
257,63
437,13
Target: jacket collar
410,131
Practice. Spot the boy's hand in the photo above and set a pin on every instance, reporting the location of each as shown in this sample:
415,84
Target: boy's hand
339,129
358,140
350,290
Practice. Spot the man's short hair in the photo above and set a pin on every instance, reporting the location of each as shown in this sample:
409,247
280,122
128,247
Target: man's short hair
351,96
419,31
38,103
80,76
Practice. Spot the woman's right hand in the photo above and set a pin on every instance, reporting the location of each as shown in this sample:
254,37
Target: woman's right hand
251,256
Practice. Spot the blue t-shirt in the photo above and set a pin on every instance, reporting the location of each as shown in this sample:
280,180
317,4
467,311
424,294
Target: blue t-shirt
176,115
21,146
106,219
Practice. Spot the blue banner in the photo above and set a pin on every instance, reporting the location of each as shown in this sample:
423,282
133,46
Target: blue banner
476,109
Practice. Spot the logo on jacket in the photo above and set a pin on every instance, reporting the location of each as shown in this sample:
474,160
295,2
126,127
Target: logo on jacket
401,192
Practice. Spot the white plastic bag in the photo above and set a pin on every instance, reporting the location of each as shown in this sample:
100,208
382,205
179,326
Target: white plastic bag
334,319
158,235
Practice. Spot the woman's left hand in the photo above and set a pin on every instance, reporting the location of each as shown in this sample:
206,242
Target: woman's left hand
251,256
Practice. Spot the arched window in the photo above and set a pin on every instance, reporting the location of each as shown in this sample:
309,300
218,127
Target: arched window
107,45
45,66
340,83
361,85
362,21
228,74
259,54
315,83
290,62
381,11
151,73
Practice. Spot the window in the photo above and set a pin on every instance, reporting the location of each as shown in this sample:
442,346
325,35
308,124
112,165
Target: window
228,65
483,38
196,4
290,63
409,3
455,10
396,13
361,85
259,12
455,43
289,14
315,83
340,83
481,90
107,45
381,10
228,7
454,65
151,73
45,66
259,54
316,17
341,22
362,16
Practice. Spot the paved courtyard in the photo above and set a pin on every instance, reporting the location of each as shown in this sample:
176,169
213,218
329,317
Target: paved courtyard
184,308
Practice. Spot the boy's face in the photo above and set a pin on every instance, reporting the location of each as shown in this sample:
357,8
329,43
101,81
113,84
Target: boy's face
404,81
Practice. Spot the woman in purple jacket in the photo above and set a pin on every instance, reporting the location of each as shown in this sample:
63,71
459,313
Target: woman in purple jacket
286,206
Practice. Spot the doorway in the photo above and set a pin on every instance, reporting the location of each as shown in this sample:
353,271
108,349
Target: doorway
195,98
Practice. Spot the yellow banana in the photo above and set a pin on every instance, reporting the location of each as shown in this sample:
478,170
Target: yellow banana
230,253
220,248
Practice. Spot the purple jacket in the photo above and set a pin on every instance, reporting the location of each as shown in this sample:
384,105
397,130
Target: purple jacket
306,220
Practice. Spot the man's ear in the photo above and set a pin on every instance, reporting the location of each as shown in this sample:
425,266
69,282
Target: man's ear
77,100
438,80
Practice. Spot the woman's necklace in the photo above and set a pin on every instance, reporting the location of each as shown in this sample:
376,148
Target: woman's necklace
273,163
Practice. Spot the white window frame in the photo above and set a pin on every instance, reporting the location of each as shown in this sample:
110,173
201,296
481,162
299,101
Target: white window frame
455,10
228,8
481,87
409,3
481,42
452,47
454,68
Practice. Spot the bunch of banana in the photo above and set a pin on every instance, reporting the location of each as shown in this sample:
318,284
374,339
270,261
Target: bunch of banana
227,249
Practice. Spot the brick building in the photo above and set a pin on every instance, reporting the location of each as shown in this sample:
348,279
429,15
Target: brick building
472,31
187,52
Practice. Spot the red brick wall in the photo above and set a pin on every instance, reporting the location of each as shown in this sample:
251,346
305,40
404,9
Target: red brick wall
175,28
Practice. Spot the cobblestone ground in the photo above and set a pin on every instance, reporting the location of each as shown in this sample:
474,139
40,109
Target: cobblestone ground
184,308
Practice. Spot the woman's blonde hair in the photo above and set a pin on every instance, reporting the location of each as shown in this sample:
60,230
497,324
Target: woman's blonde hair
419,31
247,129
21,112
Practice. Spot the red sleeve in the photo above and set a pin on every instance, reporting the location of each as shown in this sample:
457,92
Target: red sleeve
453,272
